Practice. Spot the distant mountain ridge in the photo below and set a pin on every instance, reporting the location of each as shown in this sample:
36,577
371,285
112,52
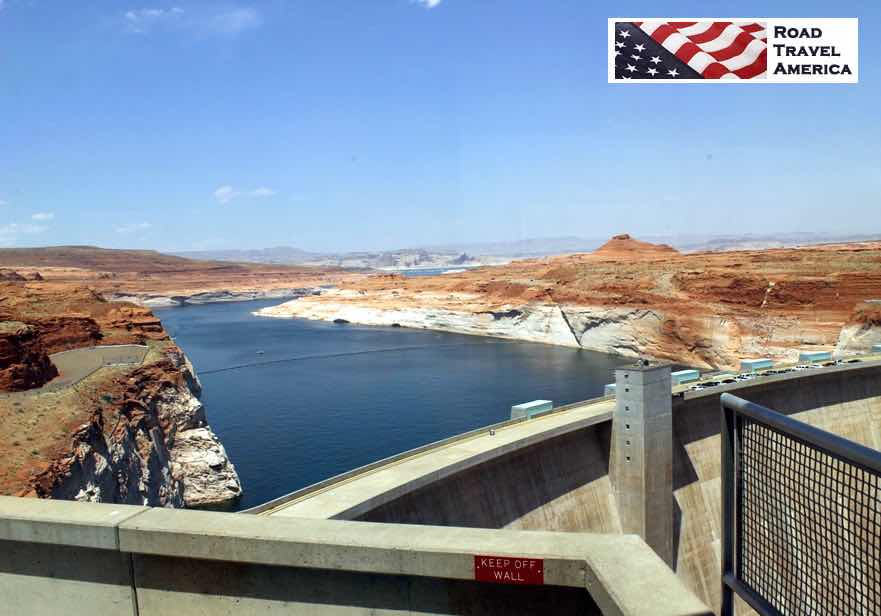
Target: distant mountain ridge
390,259
488,253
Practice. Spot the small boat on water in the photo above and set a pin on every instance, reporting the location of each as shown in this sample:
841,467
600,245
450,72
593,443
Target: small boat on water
259,352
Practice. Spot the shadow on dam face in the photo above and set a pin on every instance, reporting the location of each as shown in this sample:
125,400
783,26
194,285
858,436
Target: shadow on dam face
562,483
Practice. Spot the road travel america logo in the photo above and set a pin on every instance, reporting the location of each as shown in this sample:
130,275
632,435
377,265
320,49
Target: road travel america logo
744,50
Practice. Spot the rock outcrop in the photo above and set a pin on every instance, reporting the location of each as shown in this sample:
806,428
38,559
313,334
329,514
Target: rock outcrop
24,362
148,444
125,434
11,276
67,318
625,246
153,300
863,330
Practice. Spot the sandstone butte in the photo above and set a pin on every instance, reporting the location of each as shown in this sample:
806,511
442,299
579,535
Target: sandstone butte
707,310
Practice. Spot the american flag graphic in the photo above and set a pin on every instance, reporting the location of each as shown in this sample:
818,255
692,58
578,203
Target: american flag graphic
689,50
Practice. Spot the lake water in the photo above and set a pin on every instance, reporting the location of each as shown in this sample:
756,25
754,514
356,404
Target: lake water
433,271
322,398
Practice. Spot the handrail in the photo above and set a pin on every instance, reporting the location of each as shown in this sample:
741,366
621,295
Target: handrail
845,448
794,525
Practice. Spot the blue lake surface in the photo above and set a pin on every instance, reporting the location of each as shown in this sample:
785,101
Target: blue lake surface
324,398
434,271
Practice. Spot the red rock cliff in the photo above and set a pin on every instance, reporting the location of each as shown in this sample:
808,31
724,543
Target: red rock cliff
24,363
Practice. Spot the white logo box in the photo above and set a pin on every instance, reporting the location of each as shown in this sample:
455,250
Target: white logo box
799,50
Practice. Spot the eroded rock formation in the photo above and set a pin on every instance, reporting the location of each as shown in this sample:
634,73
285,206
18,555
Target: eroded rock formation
150,444
24,363
863,331
11,276
635,299
626,246
134,434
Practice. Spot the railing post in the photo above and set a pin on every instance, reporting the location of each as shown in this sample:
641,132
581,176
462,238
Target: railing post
727,447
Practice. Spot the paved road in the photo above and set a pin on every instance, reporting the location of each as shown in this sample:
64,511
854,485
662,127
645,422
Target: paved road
75,365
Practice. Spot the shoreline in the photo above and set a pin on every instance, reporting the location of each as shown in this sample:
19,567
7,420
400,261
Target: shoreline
612,331
623,331
178,300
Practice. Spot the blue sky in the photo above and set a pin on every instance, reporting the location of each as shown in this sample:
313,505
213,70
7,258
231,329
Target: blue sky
367,124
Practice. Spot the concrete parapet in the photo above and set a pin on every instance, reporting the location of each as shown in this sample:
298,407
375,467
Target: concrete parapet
59,557
158,561
87,525
426,551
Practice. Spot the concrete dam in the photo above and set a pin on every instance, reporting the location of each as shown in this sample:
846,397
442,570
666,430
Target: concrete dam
609,506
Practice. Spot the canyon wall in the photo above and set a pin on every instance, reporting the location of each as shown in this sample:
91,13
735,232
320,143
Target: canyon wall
632,298
24,362
131,432
165,300
149,445
705,341
863,331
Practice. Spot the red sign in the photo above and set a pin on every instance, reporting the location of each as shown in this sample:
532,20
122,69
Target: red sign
509,570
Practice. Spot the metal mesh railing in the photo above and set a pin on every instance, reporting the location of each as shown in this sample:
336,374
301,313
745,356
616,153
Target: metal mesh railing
802,517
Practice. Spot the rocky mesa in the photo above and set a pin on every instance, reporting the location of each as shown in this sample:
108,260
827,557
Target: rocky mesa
129,429
632,298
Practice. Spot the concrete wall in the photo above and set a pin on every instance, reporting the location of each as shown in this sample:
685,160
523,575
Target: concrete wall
562,482
62,557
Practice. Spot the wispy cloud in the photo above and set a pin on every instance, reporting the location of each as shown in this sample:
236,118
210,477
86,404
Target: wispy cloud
234,21
10,231
427,4
225,194
43,216
225,21
141,21
15,228
133,228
